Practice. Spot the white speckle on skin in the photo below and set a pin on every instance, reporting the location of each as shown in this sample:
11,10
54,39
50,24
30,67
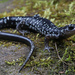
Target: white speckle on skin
52,24
5,21
44,32
49,28
30,22
32,27
53,32
44,22
7,18
34,24
37,18
27,19
47,32
1,20
19,18
16,19
62,31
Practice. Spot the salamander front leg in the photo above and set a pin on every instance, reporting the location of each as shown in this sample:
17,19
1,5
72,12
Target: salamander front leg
19,26
47,44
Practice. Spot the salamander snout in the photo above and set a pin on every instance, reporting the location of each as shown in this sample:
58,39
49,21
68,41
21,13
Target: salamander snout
69,30
71,27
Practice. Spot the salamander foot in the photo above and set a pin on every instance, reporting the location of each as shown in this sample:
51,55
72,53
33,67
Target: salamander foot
47,48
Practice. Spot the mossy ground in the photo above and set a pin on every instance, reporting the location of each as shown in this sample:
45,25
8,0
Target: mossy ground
60,60
2,1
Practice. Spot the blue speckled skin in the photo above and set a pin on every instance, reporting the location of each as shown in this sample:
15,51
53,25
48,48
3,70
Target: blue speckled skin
40,25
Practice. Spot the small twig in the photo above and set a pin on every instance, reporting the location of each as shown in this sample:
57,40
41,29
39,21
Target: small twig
57,51
60,57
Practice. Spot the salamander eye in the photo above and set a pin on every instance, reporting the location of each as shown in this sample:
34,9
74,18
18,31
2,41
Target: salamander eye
71,28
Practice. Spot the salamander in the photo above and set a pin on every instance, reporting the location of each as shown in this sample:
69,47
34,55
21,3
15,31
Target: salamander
25,24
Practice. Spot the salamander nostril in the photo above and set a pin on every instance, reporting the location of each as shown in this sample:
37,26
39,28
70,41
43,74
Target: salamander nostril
71,28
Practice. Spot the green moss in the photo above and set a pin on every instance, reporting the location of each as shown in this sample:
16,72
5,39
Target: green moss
10,62
2,1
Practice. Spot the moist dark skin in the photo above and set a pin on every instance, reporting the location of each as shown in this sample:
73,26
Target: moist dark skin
26,24
18,38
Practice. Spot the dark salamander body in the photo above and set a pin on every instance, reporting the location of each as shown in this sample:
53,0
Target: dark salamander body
40,25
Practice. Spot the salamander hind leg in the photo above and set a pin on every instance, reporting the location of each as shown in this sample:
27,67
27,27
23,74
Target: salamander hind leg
19,26
47,44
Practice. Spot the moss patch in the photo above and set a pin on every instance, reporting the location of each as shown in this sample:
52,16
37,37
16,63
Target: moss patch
2,1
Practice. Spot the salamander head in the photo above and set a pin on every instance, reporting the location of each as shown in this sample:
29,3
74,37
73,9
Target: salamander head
68,30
